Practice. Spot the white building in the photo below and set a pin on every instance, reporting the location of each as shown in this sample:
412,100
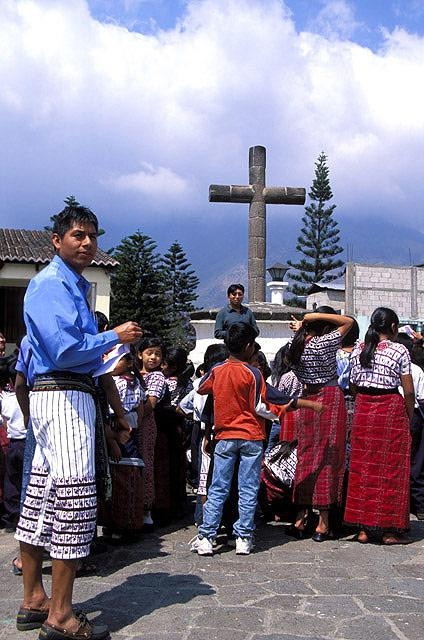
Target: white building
23,254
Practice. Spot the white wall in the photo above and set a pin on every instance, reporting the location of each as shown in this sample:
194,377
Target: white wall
273,334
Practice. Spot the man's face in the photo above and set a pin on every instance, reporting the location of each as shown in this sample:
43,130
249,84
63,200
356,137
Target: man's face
2,342
78,246
236,298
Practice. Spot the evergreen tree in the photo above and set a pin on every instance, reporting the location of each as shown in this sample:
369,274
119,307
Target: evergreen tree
137,286
319,237
180,284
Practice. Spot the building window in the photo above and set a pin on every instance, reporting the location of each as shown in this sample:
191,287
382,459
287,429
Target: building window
11,313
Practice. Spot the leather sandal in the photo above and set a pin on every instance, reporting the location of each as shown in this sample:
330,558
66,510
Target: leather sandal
85,631
29,619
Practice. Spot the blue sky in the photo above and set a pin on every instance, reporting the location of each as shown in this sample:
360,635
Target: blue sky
363,20
136,106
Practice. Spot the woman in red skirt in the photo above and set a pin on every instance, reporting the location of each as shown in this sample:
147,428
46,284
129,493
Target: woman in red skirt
378,486
321,437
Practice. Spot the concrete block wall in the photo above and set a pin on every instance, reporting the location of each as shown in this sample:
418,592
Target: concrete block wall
371,286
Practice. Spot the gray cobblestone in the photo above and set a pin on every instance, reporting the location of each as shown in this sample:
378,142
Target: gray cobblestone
285,590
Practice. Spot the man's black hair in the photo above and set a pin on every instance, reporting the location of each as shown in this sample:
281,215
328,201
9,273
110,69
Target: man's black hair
239,335
71,214
234,287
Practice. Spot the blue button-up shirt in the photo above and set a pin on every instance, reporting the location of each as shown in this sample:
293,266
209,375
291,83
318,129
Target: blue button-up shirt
62,330
25,363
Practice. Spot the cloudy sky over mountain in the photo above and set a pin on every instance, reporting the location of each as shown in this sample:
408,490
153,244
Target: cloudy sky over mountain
135,106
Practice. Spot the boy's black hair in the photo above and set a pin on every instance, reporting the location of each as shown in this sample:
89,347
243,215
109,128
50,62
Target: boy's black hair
102,321
200,370
239,335
176,357
72,213
214,353
233,288
149,342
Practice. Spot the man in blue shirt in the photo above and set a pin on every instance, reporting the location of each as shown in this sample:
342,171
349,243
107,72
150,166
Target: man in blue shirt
234,312
59,509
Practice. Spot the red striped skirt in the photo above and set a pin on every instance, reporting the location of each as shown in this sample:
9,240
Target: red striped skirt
287,427
321,451
378,487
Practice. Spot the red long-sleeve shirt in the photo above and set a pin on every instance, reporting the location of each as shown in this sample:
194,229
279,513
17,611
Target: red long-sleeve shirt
240,404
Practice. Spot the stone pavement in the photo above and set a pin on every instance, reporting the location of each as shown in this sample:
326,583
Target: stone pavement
285,590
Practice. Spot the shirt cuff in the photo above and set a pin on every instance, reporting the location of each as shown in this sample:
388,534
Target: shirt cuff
110,338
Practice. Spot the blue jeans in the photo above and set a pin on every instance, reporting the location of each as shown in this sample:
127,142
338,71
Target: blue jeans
249,452
274,435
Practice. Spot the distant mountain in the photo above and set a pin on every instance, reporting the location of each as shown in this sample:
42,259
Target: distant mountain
224,255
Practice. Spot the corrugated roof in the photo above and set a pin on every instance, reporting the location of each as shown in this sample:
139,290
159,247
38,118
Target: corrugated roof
35,247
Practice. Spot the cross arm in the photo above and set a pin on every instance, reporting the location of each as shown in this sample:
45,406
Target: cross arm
230,193
284,195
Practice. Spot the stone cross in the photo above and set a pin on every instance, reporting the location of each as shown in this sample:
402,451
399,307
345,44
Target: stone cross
258,196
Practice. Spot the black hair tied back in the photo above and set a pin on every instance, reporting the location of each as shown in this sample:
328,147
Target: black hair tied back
297,347
382,321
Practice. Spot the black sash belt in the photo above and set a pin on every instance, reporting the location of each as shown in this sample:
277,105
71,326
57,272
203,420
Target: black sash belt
373,391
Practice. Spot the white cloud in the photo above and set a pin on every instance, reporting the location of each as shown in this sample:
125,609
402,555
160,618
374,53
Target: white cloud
156,182
85,104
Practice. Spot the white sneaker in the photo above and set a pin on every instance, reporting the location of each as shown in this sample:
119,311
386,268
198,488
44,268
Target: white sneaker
244,546
201,546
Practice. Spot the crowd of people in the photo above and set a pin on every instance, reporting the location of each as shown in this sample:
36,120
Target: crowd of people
107,427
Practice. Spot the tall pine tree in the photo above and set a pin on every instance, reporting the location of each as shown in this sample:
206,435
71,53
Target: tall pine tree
319,237
137,286
180,284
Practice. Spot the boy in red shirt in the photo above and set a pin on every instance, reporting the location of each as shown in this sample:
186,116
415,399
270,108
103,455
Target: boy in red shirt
240,410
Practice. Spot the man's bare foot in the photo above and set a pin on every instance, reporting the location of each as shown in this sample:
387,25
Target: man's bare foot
70,623
37,603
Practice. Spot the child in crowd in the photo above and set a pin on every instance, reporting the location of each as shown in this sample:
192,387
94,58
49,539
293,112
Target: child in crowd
240,406
194,403
132,397
14,424
417,426
172,440
286,381
123,516
150,354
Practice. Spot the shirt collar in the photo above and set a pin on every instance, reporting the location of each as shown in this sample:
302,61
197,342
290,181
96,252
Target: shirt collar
75,277
242,309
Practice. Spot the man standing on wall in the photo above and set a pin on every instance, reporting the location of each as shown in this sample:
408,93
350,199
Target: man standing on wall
60,502
234,312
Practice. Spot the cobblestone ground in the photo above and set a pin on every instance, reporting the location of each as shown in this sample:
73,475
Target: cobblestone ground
285,590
